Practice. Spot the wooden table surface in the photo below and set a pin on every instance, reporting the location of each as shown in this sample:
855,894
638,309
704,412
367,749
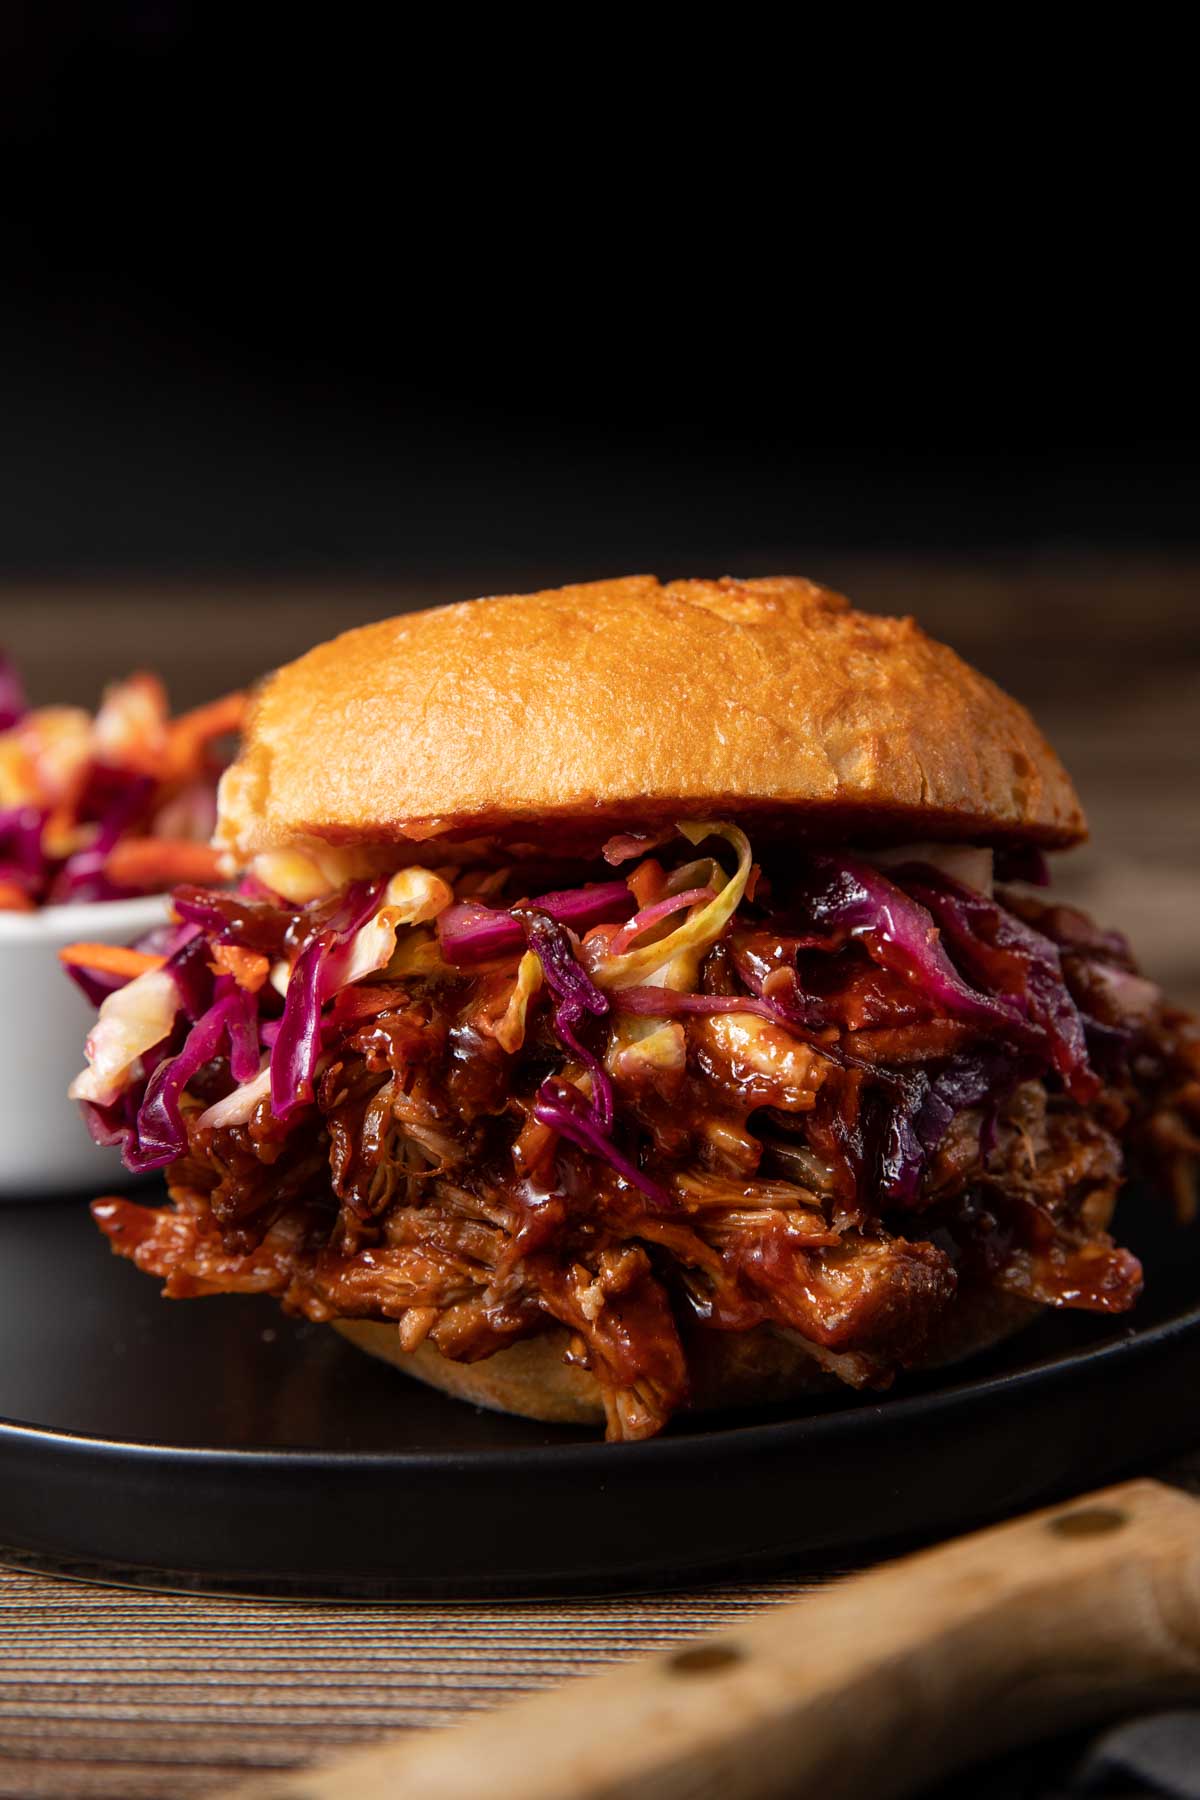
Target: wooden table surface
135,1696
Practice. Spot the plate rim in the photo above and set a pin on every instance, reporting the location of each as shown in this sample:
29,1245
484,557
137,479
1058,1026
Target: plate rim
1127,1343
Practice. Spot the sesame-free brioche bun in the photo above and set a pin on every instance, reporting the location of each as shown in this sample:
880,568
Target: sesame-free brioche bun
567,713
532,1379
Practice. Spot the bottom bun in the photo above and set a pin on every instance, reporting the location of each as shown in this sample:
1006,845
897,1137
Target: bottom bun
745,1368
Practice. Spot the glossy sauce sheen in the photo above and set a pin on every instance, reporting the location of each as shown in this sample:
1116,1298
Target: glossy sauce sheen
420,1186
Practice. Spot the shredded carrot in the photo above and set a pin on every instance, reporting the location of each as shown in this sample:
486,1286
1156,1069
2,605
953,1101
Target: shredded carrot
213,720
109,959
648,882
61,834
187,735
13,898
161,862
363,1002
247,967
130,729
601,934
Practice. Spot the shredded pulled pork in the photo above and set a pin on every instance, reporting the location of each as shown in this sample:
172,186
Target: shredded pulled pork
813,1110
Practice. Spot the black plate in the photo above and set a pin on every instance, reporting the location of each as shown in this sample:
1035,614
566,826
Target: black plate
215,1444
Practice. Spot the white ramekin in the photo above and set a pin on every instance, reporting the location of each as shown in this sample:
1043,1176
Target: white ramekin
44,1144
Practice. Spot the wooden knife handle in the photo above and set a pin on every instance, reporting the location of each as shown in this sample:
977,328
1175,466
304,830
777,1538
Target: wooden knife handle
870,1687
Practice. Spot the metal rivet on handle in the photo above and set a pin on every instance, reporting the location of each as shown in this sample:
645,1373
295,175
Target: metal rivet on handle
704,1659
1088,1521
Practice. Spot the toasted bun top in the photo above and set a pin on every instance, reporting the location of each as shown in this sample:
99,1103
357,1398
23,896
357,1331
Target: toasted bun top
620,702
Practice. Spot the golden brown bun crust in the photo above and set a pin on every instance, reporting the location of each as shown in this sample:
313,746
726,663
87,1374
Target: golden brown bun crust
631,701
750,1368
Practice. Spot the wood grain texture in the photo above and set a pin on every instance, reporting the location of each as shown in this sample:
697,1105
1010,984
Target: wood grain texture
114,1695
875,1686
132,1696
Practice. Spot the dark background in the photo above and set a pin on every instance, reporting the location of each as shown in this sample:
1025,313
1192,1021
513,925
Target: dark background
293,295
311,317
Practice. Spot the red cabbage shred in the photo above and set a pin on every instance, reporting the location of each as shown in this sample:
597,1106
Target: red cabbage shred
888,1093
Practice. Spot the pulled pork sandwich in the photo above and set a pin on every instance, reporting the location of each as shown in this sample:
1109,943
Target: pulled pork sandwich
617,1012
